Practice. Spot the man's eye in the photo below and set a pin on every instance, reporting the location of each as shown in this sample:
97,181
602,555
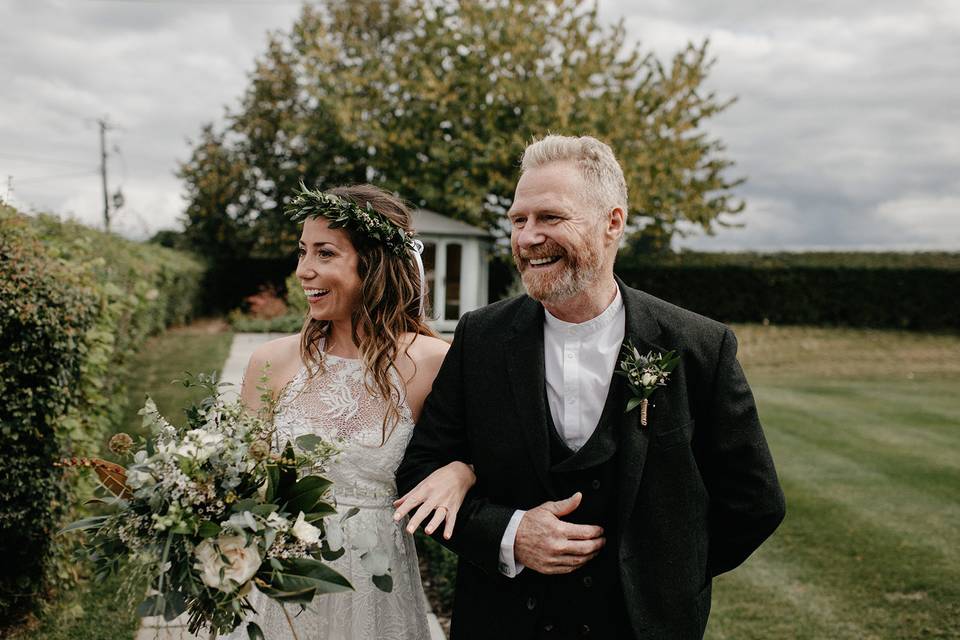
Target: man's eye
301,252
518,221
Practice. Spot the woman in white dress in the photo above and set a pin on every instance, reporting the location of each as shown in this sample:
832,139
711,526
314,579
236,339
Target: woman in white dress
358,374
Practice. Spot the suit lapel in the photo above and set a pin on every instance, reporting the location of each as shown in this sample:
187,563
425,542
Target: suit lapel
642,330
526,370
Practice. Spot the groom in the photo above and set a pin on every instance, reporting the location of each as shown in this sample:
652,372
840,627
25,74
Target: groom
584,521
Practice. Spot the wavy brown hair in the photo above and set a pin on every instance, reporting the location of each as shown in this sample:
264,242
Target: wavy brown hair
389,303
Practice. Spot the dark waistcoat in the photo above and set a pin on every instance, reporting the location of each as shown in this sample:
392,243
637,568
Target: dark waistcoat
588,602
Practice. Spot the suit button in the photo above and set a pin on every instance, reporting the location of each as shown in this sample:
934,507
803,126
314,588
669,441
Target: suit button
548,627
587,581
531,603
584,631
595,484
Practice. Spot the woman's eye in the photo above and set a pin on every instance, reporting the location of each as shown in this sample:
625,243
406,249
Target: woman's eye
301,253
326,254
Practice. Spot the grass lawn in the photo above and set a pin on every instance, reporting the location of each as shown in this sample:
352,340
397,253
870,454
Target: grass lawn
101,611
865,430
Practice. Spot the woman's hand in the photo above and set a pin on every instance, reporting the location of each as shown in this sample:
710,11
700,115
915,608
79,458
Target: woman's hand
442,493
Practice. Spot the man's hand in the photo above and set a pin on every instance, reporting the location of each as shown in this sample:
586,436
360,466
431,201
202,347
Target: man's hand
547,544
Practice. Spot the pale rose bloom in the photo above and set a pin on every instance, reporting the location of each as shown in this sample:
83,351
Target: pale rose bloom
242,562
305,531
648,379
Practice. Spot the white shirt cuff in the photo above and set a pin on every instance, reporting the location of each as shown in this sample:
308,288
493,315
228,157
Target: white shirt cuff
508,564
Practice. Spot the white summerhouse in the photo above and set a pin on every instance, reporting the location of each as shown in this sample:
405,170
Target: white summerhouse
456,259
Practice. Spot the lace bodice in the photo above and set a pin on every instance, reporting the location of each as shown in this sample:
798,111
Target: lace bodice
336,405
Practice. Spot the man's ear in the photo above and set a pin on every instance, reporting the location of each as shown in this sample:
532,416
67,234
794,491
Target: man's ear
616,224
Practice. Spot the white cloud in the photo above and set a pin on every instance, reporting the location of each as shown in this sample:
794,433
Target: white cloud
846,116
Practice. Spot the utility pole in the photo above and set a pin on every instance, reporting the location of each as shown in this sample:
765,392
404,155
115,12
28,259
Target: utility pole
104,125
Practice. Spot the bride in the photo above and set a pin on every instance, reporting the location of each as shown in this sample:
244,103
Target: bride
357,374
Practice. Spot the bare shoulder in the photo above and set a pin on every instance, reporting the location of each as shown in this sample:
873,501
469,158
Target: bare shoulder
279,359
277,352
425,350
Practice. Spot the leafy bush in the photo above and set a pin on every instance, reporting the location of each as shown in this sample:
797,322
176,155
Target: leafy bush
884,290
256,320
74,306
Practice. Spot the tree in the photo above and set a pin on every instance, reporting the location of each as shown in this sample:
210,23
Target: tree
436,100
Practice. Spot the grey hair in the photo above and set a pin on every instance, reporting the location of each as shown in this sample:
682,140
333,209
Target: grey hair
594,159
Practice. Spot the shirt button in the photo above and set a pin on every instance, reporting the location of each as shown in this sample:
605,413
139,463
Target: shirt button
595,484
531,603
569,356
548,627
584,630
587,581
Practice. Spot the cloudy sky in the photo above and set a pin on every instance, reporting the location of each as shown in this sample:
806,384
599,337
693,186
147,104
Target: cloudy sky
847,124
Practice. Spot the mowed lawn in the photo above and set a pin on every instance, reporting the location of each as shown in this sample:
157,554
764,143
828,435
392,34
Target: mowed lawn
865,431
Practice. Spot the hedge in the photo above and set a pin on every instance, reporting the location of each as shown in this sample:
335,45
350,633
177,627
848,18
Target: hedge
919,291
75,304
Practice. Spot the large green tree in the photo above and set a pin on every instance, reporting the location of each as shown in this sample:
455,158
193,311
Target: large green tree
436,100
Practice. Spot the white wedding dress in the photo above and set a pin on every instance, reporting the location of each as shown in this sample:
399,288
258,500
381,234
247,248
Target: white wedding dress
336,406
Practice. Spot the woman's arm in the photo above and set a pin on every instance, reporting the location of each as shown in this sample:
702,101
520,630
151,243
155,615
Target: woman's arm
442,494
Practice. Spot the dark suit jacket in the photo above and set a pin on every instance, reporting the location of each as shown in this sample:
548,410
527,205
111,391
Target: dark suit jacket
698,492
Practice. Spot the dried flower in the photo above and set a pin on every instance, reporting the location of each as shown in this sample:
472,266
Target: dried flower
121,443
259,450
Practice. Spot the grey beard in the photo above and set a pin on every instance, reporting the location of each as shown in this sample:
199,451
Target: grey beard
571,283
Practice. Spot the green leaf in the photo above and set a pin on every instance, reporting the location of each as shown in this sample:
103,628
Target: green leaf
85,524
384,582
303,578
151,606
306,495
309,441
175,605
208,529
254,632
632,404
273,481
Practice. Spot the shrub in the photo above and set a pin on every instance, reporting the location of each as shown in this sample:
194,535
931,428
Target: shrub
74,306
883,290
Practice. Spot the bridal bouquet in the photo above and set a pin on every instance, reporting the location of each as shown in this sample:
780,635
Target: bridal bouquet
207,511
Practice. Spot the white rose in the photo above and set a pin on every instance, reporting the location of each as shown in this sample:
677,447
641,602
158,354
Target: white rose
648,379
242,562
305,531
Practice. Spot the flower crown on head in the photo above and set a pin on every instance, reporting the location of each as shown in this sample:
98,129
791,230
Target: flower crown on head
346,215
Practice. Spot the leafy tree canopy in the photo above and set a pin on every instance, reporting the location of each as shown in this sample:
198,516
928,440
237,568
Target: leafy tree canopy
437,100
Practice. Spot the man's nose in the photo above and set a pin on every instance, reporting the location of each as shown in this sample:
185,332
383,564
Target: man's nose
529,236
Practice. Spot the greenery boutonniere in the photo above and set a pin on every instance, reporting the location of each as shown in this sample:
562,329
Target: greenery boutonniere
644,374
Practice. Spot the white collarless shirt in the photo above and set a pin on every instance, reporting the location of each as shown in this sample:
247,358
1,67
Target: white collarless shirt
579,360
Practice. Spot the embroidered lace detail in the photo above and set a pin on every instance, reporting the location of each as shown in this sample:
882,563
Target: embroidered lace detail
336,405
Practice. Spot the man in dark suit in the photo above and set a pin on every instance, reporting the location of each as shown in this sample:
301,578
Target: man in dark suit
587,520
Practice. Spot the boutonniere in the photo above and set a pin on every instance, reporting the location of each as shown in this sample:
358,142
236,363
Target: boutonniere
644,374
